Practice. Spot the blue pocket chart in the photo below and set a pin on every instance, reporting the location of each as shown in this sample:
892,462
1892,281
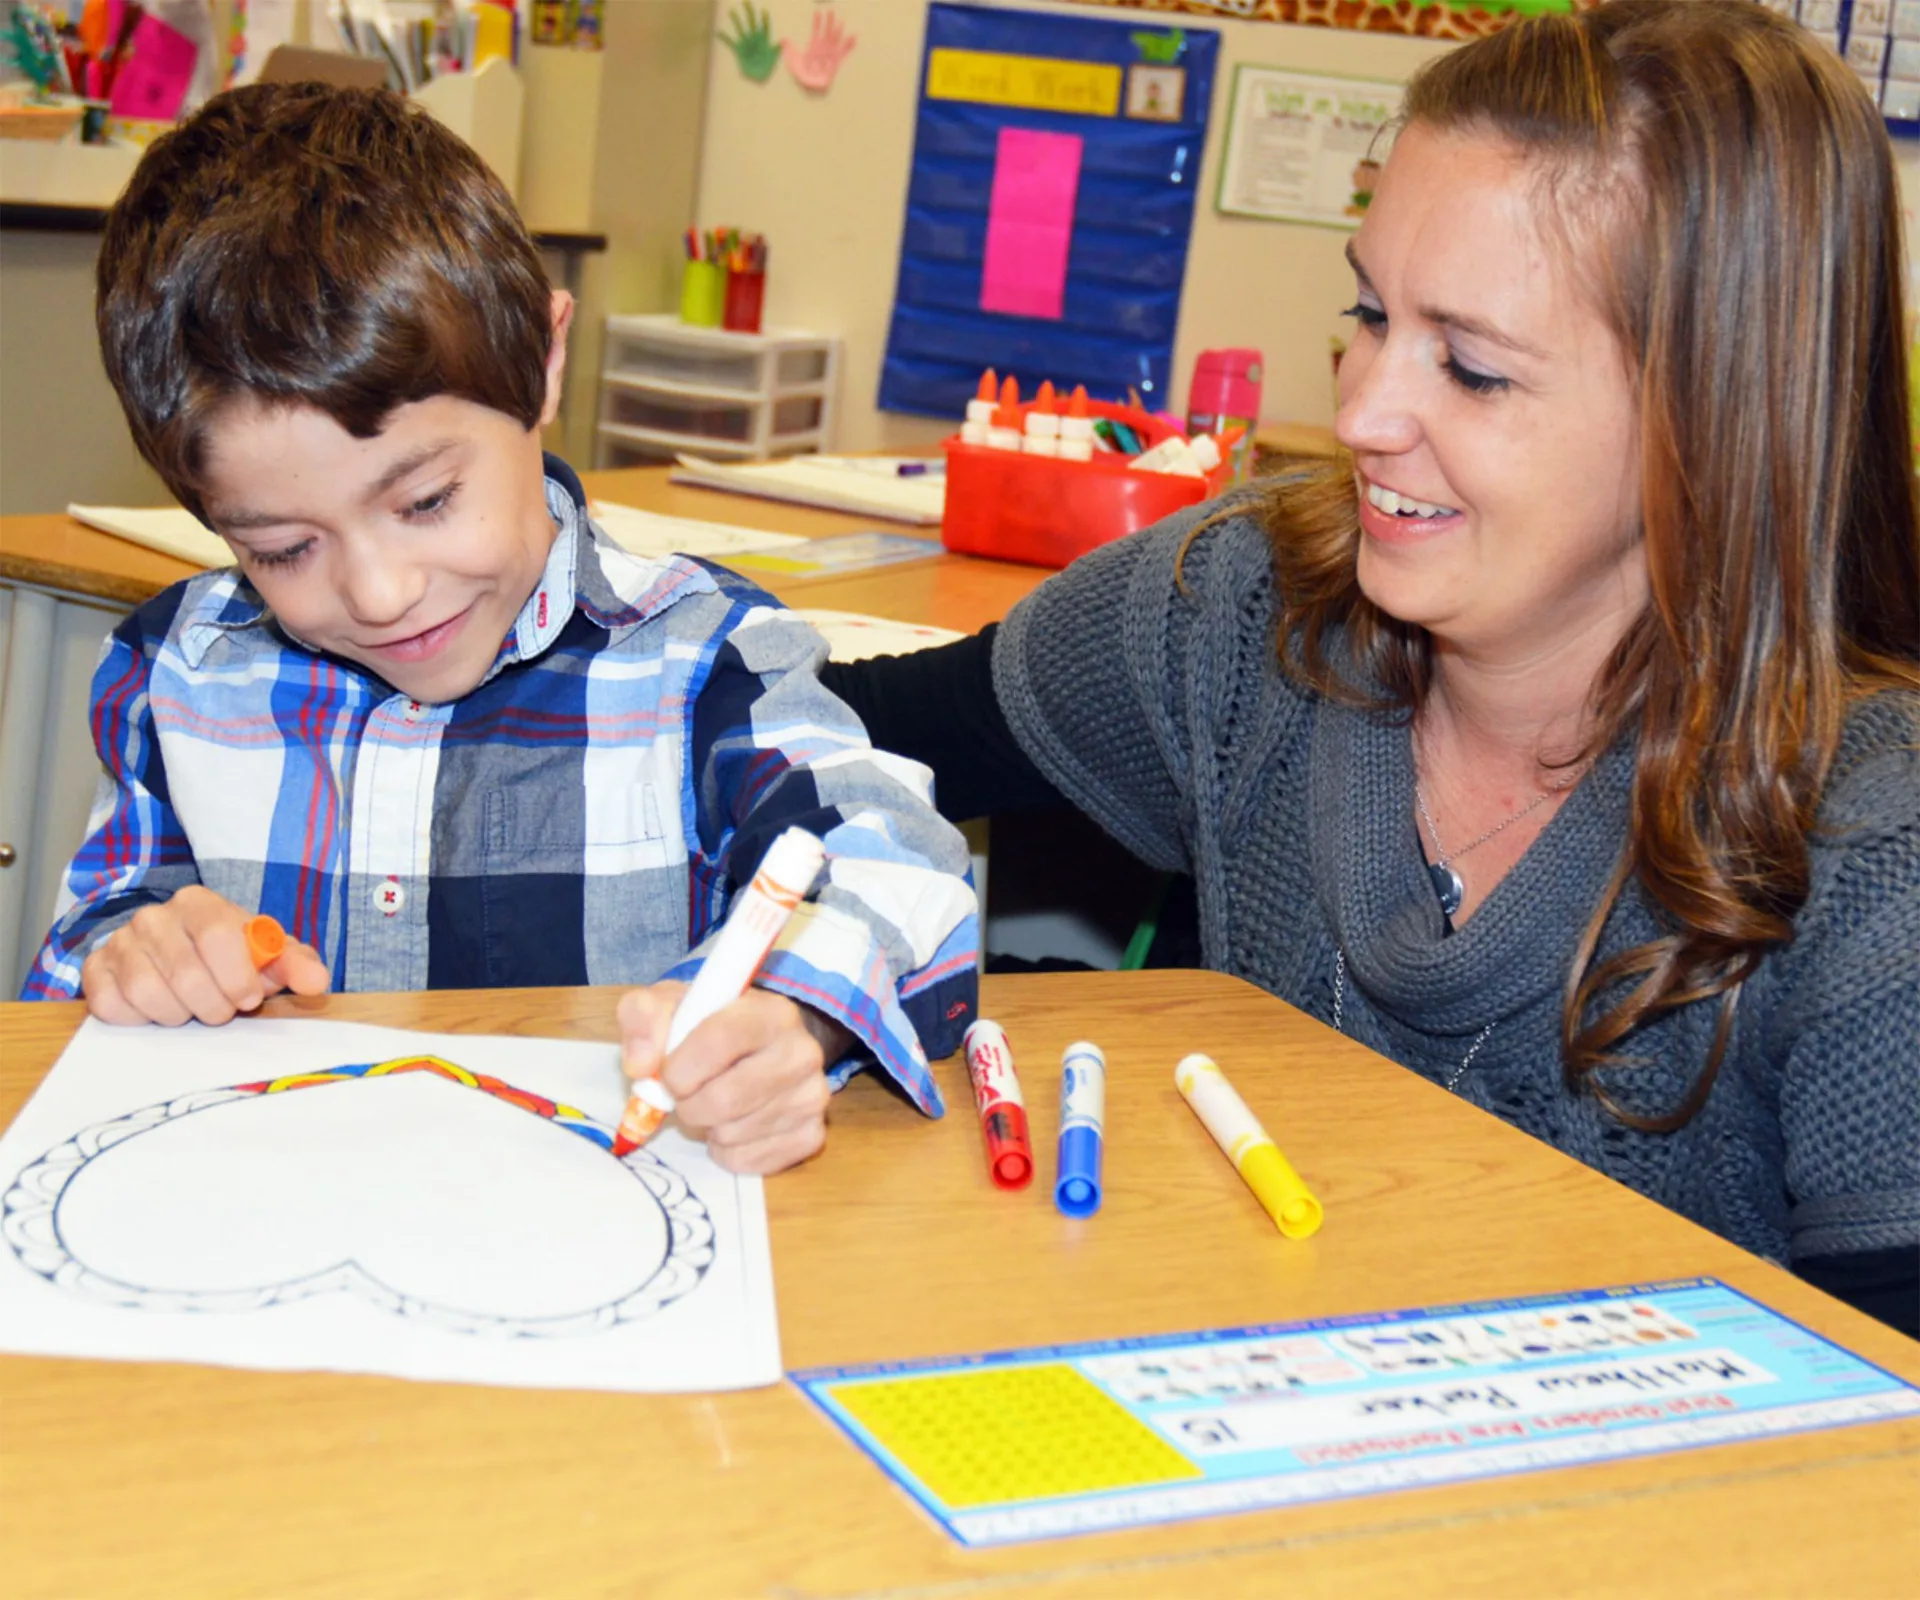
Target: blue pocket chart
1055,164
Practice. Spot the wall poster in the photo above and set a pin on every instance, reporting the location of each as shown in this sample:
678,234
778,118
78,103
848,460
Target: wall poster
1304,147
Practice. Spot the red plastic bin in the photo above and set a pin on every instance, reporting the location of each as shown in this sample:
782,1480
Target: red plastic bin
1047,512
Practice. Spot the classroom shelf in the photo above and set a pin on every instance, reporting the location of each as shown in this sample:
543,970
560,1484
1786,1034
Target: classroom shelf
667,387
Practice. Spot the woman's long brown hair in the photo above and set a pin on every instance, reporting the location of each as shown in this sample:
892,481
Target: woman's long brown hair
1729,192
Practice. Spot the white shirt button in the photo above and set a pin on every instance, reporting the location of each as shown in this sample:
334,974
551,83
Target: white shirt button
414,710
389,897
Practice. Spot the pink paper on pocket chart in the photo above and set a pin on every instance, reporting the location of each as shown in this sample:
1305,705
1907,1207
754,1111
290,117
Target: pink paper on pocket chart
1030,222
154,80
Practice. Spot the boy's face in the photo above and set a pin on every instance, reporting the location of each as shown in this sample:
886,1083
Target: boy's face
409,553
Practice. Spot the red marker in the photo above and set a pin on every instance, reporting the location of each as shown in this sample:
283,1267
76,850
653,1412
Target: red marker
266,940
1003,1114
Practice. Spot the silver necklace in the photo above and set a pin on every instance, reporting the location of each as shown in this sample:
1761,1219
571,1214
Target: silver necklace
1447,883
1339,1011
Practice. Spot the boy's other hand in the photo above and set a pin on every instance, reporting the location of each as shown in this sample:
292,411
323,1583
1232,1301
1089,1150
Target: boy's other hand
750,1080
186,960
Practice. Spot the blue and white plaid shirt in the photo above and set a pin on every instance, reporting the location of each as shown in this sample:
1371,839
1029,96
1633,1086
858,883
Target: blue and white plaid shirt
582,817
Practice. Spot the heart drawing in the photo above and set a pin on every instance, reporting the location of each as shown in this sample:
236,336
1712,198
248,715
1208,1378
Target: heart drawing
429,1192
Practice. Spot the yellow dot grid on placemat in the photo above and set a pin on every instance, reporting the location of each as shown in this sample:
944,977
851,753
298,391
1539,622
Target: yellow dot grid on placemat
1007,1434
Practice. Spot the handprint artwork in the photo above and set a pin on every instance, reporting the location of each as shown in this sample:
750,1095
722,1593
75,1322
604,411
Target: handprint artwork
752,42
814,68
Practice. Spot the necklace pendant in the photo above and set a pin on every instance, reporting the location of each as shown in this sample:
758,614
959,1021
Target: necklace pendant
1447,886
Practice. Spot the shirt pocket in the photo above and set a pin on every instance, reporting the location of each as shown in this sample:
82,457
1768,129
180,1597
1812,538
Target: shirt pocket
607,831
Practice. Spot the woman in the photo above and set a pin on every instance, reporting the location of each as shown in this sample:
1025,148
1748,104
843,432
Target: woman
1559,744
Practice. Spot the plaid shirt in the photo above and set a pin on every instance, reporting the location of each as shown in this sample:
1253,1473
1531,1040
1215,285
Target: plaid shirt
583,816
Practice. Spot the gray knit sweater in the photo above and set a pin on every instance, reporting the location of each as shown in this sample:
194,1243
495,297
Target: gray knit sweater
1165,717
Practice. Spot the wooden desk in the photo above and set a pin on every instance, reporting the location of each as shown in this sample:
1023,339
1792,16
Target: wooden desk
948,591
160,1480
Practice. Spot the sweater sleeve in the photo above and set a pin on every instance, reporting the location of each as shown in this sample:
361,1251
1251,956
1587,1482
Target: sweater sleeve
938,707
1850,1089
1143,657
1080,672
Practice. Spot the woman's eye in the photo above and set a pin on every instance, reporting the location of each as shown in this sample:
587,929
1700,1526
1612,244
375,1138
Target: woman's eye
1470,380
1367,316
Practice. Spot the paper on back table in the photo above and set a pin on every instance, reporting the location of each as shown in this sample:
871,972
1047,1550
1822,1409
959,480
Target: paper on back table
171,530
179,533
405,1223
649,533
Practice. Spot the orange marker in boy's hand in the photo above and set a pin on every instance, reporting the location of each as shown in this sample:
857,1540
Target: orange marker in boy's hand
266,940
179,961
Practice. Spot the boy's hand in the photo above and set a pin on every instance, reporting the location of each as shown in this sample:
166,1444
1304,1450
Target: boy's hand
186,960
750,1080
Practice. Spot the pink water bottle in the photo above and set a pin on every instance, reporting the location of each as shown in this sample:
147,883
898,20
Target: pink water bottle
1225,393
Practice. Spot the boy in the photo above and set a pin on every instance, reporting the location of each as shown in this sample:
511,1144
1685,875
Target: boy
434,722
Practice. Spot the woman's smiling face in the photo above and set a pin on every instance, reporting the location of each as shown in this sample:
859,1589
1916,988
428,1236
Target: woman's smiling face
1490,412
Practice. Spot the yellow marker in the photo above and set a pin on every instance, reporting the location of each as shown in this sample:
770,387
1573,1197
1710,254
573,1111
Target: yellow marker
1254,1155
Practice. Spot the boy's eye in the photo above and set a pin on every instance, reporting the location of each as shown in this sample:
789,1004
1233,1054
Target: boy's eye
1367,316
425,510
290,556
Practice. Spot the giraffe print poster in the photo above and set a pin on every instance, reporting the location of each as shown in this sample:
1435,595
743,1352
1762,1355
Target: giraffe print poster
1423,19
322,1195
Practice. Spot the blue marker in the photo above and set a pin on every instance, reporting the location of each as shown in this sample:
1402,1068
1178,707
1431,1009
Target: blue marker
1083,1114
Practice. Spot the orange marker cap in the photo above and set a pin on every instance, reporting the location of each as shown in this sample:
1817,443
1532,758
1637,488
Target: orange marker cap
1077,406
1010,391
989,386
1006,416
1045,399
266,939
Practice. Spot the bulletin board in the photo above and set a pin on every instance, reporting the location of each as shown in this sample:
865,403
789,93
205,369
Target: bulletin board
1055,166
1880,40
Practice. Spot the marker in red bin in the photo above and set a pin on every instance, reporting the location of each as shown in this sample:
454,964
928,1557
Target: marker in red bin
980,409
786,873
1042,433
1003,1114
1076,428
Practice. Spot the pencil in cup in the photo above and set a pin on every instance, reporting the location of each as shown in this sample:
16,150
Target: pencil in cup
786,873
1254,1155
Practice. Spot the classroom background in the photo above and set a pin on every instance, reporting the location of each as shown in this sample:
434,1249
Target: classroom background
620,148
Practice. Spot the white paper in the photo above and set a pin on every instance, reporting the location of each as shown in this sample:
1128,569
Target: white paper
853,636
168,529
163,1202
648,533
817,481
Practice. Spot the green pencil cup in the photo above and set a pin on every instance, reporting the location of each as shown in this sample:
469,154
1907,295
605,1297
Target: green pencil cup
703,294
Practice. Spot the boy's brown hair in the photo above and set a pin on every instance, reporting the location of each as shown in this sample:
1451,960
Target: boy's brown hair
301,244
